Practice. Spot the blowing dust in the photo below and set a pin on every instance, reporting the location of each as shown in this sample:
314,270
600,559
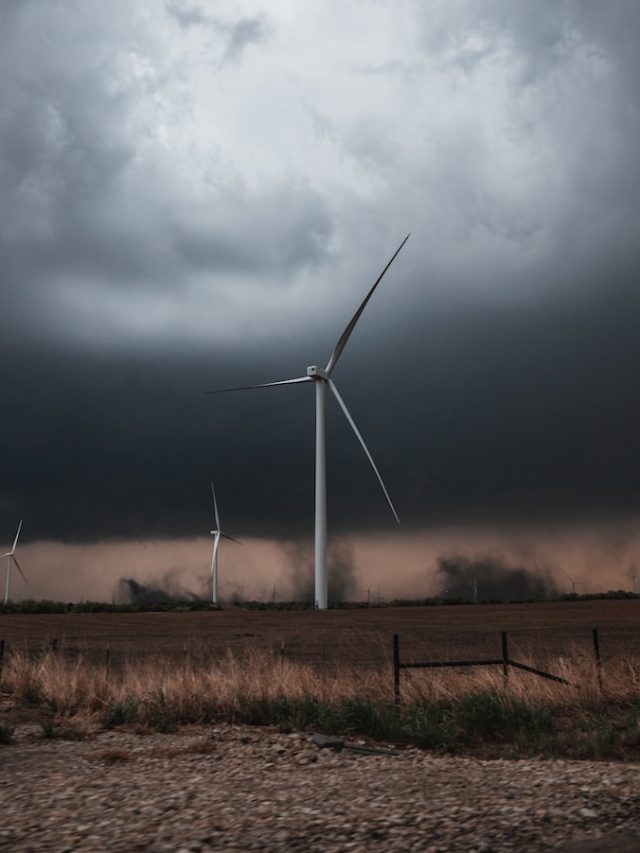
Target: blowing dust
527,561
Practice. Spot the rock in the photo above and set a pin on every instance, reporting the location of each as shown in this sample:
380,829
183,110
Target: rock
327,742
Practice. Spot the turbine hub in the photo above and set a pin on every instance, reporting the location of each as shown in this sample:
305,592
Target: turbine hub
317,373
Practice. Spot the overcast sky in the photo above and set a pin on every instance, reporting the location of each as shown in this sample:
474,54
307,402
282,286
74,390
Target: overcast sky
198,194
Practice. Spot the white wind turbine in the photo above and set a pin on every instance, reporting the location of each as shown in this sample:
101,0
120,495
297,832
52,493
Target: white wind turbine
217,535
322,379
11,558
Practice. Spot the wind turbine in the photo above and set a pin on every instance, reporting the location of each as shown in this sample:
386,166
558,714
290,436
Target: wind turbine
217,535
11,558
573,582
322,379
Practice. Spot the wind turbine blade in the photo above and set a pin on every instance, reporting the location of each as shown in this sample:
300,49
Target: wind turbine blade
263,385
216,545
215,506
15,541
226,536
19,569
364,446
344,337
8,554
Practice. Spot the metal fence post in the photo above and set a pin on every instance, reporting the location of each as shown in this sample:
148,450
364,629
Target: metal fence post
505,658
598,659
396,669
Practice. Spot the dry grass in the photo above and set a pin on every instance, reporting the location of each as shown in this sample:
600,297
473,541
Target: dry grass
111,755
197,746
67,688
77,697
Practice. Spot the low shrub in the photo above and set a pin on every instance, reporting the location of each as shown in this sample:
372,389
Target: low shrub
7,732
121,713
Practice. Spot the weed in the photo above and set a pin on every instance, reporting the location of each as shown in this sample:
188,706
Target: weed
49,730
200,746
112,755
160,715
7,733
598,739
121,713
491,716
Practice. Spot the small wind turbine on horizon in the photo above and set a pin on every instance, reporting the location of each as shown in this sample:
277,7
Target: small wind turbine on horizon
11,558
217,534
322,378
573,582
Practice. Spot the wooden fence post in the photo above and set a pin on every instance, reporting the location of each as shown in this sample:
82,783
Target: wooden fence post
281,654
1,658
598,659
396,669
54,645
505,659
107,661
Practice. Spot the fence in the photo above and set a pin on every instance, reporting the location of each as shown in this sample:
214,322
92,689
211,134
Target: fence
504,661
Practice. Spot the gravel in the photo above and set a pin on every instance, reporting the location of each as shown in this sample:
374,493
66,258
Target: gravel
239,788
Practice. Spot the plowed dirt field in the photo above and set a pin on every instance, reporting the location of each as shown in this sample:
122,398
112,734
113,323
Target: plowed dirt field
364,637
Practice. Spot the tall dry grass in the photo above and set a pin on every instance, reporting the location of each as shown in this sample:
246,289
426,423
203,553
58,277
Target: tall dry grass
70,686
443,708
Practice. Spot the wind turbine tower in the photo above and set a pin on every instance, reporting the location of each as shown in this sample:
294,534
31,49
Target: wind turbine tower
217,534
322,378
574,583
11,558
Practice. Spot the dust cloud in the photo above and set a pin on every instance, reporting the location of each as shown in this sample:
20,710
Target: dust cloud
492,578
515,561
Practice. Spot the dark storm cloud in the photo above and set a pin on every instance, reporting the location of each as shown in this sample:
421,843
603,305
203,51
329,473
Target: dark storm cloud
172,221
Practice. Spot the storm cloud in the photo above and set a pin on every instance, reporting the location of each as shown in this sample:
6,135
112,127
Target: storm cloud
194,201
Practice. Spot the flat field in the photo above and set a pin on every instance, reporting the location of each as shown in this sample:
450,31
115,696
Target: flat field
541,631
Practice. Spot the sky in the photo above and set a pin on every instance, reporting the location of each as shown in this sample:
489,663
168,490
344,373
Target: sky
198,195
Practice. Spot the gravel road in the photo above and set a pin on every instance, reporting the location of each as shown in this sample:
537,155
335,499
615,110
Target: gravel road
239,788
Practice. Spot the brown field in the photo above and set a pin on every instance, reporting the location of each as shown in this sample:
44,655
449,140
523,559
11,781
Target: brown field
538,632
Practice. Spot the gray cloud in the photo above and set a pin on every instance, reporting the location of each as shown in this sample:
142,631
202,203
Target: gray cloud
181,213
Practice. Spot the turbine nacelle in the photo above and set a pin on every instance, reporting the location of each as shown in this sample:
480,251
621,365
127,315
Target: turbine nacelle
317,373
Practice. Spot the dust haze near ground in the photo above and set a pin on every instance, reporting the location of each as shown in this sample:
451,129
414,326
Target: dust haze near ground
596,555
492,578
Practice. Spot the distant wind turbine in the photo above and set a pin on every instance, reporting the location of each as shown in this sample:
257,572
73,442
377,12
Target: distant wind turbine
11,558
322,379
574,583
217,534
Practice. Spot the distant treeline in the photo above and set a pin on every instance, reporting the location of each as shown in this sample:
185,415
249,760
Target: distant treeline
31,606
